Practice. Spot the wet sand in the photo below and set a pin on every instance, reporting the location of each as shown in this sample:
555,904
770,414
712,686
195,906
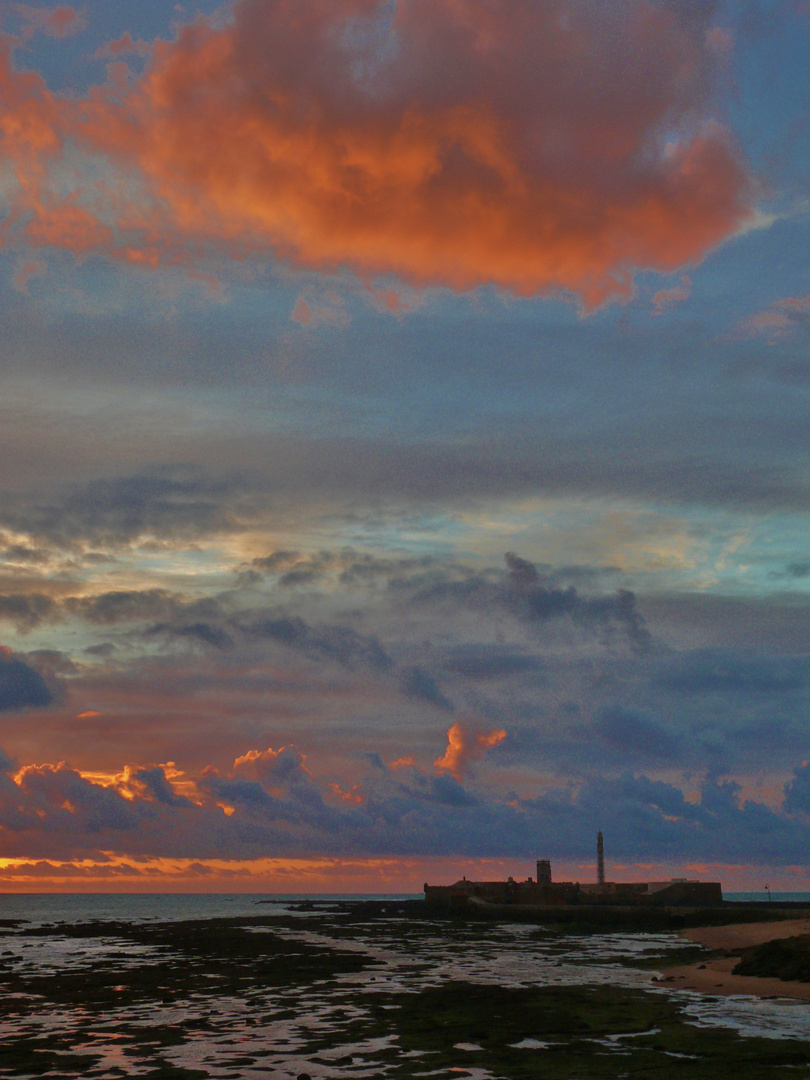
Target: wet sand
713,976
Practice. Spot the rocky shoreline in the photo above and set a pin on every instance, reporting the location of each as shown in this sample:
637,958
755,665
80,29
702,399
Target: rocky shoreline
341,989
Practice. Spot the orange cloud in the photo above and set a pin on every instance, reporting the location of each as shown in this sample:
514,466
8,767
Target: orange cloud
539,147
352,795
465,746
29,117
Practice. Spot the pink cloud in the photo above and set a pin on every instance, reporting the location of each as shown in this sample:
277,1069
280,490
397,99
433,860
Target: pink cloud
302,312
214,289
123,45
327,311
780,318
59,22
664,299
27,270
796,305
536,162
387,301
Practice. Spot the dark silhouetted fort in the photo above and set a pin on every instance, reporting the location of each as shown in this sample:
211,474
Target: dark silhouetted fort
543,892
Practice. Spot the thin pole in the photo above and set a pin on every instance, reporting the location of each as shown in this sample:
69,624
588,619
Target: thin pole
600,858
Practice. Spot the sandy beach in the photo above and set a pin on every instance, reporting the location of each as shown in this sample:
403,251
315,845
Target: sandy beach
714,976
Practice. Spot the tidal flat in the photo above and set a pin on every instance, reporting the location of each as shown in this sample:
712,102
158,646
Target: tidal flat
384,990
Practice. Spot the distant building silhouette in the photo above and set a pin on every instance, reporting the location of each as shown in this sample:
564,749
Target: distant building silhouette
546,893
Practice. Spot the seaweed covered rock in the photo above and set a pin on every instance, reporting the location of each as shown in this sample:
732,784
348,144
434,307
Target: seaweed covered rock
785,958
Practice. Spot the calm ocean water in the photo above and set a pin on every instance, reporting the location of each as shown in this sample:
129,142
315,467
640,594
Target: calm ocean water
764,897
151,907
159,907
405,957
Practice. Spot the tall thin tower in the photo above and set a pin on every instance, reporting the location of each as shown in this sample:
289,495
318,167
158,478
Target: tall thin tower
600,859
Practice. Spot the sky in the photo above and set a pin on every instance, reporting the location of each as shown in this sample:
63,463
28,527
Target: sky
404,443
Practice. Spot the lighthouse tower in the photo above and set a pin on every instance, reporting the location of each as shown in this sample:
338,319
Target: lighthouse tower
600,860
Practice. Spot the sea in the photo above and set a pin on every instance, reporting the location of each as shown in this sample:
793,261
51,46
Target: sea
46,1032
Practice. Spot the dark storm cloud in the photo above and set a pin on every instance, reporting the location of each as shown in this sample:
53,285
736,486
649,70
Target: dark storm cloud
22,686
209,635
633,734
556,463
244,793
121,605
155,783
535,598
420,684
298,472
104,650
797,791
65,802
363,568
604,711
716,671
447,791
27,610
22,553
538,602
797,571
204,632
749,625
348,566
298,577
338,644
278,561
491,662
165,502
296,568
643,818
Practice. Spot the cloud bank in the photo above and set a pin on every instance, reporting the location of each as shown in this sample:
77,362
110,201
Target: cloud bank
270,805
